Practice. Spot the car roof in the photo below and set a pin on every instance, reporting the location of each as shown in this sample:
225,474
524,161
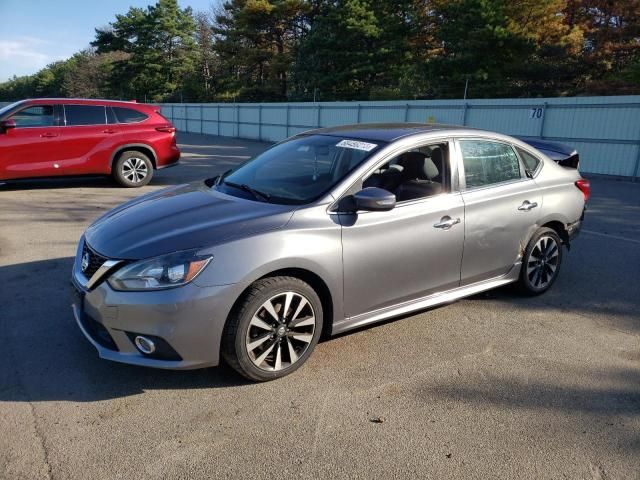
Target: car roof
87,101
388,132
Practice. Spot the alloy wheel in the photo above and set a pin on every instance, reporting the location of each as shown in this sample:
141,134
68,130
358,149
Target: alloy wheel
280,331
543,262
134,169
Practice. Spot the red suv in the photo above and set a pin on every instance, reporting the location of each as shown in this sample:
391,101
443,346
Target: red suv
51,137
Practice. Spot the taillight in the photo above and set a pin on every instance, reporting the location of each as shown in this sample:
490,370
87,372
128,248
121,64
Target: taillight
585,188
167,129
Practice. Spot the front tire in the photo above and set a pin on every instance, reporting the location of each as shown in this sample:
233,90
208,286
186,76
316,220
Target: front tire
541,262
273,329
133,169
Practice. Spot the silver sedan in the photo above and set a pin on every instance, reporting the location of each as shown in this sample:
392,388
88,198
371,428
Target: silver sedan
327,231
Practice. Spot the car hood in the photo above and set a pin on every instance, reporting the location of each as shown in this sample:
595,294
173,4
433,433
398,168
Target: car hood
180,218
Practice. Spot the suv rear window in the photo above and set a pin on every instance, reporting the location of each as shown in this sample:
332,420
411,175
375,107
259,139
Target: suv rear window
128,115
84,115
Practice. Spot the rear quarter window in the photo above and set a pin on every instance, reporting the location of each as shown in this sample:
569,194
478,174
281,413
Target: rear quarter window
530,162
128,115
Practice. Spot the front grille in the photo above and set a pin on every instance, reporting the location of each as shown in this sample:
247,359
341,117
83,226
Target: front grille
95,261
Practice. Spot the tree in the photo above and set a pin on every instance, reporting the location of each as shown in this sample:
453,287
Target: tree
255,40
504,48
358,47
160,42
611,56
89,74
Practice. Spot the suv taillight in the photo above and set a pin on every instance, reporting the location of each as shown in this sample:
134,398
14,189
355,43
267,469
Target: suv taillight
585,188
166,129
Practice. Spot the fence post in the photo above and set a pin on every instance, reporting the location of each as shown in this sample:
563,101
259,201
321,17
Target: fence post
201,119
464,114
636,170
359,110
237,120
406,113
218,120
544,114
319,119
173,116
260,122
287,135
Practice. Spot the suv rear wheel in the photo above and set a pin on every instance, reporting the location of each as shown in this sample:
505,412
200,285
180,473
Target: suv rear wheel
133,169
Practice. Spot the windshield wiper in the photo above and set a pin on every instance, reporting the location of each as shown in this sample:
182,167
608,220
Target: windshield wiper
257,194
220,177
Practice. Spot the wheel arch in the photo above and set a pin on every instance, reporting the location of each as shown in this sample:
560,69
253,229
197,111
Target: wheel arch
560,229
136,147
313,279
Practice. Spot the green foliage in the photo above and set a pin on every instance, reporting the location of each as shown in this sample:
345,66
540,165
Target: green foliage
255,41
275,50
160,43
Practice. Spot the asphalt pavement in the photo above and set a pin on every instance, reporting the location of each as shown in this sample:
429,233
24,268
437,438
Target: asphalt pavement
493,386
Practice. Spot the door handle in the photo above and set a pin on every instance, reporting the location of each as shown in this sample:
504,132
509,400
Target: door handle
48,135
446,222
526,206
108,131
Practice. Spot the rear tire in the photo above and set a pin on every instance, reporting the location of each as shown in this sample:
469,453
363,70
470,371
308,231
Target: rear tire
541,262
273,329
132,169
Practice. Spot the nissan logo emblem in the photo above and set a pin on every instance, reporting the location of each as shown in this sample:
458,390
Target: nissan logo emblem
85,261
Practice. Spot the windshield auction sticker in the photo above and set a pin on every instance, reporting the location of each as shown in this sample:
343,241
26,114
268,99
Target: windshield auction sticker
367,147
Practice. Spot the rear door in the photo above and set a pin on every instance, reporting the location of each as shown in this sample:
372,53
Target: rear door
502,206
87,139
32,148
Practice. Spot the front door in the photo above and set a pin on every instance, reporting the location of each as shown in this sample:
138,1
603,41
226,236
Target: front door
31,149
412,250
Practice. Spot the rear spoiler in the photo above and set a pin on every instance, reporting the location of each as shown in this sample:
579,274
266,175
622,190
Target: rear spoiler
570,162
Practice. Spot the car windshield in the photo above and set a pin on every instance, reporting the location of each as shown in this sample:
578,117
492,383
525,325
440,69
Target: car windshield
6,108
299,170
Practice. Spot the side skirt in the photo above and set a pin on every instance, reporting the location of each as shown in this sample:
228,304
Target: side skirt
426,302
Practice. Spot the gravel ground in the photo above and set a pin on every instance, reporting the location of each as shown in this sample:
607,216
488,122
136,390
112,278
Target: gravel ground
494,386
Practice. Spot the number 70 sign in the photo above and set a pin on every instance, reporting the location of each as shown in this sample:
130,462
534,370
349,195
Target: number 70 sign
537,112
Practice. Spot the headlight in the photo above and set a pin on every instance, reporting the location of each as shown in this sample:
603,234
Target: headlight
162,272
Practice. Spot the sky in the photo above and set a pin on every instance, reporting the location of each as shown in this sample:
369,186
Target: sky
34,33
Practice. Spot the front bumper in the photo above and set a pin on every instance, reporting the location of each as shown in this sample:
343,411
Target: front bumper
189,318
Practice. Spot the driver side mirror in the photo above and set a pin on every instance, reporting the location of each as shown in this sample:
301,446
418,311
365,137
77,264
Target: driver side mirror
374,199
7,125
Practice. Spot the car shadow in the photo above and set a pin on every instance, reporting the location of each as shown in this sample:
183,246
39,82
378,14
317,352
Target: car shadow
46,357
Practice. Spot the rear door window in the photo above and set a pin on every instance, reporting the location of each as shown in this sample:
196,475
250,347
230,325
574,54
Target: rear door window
128,115
34,116
85,115
488,163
